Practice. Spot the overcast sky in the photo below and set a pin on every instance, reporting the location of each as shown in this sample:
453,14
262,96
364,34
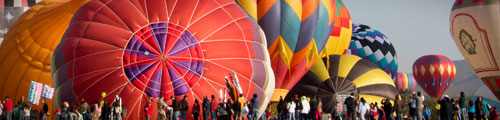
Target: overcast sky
415,27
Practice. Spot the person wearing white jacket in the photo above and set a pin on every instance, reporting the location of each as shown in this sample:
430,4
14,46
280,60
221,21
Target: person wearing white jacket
305,108
363,107
291,109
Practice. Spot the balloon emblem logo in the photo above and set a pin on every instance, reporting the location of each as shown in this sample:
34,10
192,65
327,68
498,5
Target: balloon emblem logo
467,42
158,55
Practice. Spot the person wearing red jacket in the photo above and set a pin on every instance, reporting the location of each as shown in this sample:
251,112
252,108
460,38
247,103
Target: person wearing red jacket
213,108
8,108
148,110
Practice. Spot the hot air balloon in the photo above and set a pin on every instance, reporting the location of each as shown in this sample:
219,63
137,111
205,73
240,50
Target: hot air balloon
347,74
10,10
160,48
434,74
373,45
297,32
405,82
26,52
474,28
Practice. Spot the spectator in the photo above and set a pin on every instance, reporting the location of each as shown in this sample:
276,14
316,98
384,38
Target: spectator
213,108
8,108
305,108
373,111
471,109
398,105
162,114
237,109
196,110
362,108
175,107
420,105
148,110
388,109
184,106
117,111
350,103
427,113
463,108
481,111
124,112
314,108
413,106
206,108
282,111
291,109
254,105
298,107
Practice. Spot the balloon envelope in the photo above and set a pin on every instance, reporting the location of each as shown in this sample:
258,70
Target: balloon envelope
405,82
154,48
372,45
474,27
347,74
296,32
26,51
434,74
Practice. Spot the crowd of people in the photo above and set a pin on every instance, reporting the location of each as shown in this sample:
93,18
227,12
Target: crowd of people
294,108
237,109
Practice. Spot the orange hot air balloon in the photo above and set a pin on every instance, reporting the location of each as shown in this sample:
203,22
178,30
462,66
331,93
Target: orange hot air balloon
26,51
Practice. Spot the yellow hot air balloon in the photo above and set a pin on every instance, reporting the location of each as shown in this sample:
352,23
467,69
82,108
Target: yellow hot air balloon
475,28
26,51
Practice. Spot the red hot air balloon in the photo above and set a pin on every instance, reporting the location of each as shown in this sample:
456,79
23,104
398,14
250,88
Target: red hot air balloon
143,49
434,73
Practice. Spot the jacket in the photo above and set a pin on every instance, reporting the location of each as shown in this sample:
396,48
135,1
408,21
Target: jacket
305,106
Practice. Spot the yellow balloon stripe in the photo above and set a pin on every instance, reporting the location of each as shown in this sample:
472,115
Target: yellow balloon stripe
348,61
375,76
284,51
249,6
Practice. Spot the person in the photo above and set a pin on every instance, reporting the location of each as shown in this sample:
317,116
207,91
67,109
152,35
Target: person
485,106
314,108
58,114
206,108
282,115
480,110
196,109
229,109
254,105
420,105
8,108
463,109
175,107
184,106
85,110
493,115
76,113
380,111
471,109
162,114
221,111
398,105
1,109
362,109
237,109
147,109
373,111
413,106
350,103
95,111
291,109
65,114
106,111
305,108
27,112
245,110
269,113
213,108
319,109
124,112
388,109
45,110
457,114
427,113
298,106
117,111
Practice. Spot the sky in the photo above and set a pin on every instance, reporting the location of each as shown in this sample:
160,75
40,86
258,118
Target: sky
415,27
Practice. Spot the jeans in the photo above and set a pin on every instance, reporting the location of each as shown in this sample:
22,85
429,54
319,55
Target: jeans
148,117
206,114
398,114
282,116
291,116
175,115
183,115
297,114
196,115
8,115
350,114
214,115
254,114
